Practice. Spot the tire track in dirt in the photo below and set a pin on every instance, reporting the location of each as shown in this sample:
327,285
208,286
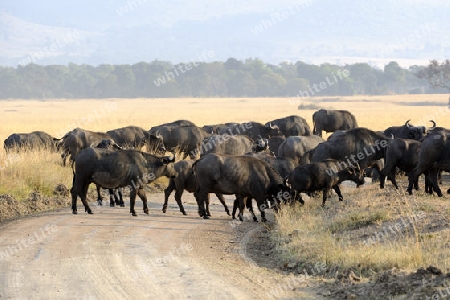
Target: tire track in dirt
112,255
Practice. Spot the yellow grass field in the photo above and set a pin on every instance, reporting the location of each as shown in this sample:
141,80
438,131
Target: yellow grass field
59,116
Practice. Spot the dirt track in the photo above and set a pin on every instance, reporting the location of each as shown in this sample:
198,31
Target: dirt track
112,255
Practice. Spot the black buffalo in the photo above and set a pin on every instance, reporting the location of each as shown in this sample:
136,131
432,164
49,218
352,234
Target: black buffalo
252,129
115,195
295,147
332,120
407,131
30,141
117,168
130,136
359,145
185,180
243,176
227,144
187,139
325,175
217,128
402,154
78,139
434,155
291,125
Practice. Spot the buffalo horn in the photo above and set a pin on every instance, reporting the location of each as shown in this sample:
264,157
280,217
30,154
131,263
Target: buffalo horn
434,123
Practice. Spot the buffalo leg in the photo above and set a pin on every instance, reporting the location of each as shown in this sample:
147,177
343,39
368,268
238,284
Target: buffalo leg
83,199
241,204
235,207
262,207
143,196
119,191
412,178
201,197
132,201
111,197
249,205
74,194
208,213
296,196
222,200
338,191
99,195
178,194
325,194
434,181
167,193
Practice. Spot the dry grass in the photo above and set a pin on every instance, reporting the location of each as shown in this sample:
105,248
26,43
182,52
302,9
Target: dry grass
361,234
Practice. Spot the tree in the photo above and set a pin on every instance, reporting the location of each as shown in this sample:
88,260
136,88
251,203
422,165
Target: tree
437,74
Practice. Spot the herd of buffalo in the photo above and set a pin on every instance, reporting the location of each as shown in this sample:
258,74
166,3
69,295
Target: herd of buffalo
271,163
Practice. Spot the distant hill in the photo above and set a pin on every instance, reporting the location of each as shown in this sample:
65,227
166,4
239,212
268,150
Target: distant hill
314,31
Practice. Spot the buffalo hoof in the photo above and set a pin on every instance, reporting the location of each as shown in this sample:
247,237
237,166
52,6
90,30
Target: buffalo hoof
99,202
146,211
111,204
74,212
255,219
241,218
184,213
341,198
122,205
164,209
90,212
205,217
134,214
208,214
448,191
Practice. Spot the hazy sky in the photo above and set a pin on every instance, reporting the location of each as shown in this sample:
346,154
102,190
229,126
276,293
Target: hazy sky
118,31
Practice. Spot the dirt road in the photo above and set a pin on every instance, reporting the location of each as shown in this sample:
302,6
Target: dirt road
112,255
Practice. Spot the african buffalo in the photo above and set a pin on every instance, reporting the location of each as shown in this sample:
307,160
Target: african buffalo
402,154
117,168
30,141
243,176
291,125
115,195
185,180
216,128
187,139
252,129
434,155
226,144
359,145
130,136
332,120
324,175
78,139
295,147
407,131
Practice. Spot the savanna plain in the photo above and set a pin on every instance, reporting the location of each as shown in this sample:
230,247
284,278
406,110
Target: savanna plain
376,244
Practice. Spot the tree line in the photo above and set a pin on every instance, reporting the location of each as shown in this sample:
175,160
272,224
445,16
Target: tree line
232,78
